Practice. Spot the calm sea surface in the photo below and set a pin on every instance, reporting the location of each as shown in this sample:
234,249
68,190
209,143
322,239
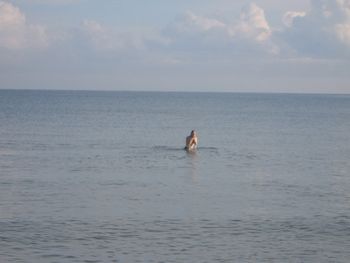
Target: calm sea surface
103,177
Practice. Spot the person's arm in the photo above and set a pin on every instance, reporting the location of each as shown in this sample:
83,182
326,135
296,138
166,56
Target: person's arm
193,141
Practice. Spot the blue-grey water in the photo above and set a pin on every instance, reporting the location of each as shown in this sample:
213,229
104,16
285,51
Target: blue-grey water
103,177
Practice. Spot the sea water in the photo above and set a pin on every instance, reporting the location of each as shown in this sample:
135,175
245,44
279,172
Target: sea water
103,177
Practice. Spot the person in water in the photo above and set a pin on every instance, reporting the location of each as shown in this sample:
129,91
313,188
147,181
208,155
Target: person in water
191,141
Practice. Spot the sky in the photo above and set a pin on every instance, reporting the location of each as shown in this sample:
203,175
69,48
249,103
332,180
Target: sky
292,46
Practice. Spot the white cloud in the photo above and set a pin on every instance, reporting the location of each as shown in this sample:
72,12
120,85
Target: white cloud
289,17
191,23
252,24
191,31
104,38
203,48
16,33
343,33
250,32
324,31
345,6
343,29
99,36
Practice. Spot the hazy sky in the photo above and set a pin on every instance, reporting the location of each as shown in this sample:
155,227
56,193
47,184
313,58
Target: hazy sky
185,45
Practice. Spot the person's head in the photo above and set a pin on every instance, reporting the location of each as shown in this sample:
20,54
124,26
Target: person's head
193,133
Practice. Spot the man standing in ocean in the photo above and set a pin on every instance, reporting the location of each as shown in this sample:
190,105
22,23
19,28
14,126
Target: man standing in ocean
191,141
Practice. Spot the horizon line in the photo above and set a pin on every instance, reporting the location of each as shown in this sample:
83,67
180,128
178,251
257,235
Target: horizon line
178,91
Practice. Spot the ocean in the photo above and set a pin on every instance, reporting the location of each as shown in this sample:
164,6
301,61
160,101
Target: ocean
92,176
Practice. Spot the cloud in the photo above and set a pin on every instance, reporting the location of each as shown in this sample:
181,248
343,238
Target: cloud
16,33
98,36
190,31
230,50
324,31
252,24
342,29
102,38
289,17
249,33
191,23
343,33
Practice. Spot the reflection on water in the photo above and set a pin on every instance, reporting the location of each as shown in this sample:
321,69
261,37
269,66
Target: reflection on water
193,159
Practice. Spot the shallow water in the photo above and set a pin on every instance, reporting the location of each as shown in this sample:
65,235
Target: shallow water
103,177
